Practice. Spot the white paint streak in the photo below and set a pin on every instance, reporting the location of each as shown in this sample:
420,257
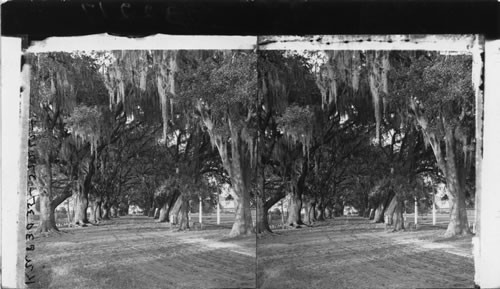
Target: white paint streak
156,42
489,238
13,244
455,43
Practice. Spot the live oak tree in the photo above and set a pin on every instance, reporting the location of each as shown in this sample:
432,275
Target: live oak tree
94,128
214,89
304,126
286,89
60,82
225,91
432,90
438,91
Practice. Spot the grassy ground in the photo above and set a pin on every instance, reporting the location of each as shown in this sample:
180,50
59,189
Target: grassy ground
347,252
350,252
138,252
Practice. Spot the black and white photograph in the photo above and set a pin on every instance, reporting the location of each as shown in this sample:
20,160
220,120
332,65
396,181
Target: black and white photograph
369,168
142,165
254,160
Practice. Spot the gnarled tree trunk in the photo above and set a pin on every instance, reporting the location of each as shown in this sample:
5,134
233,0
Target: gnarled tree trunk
295,199
329,210
458,224
105,209
309,214
82,196
263,220
179,212
452,162
371,214
163,217
156,214
47,215
92,207
113,211
48,199
168,205
262,216
294,207
81,205
97,209
394,214
320,210
183,213
379,214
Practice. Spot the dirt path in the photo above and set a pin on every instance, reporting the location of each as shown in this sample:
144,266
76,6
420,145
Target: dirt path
137,252
352,253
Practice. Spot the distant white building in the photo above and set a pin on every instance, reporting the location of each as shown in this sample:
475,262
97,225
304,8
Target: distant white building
348,211
226,205
135,210
441,191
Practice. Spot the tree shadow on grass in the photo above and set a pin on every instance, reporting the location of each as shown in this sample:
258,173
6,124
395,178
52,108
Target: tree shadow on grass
452,239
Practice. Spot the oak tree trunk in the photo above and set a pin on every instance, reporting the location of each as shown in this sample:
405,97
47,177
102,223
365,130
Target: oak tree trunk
398,220
294,207
183,214
92,207
179,212
175,210
166,209
105,210
329,210
367,212
81,205
47,215
156,213
97,209
394,214
163,214
379,214
114,211
327,213
452,163
243,221
458,224
371,215
262,216
309,214
320,210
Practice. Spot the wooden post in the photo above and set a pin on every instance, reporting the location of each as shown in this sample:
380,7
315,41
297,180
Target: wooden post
14,163
67,212
282,215
218,209
416,211
434,208
200,213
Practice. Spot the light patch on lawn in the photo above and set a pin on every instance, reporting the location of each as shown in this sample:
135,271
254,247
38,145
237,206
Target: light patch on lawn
212,244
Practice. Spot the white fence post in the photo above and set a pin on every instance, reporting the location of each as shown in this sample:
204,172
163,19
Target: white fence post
416,211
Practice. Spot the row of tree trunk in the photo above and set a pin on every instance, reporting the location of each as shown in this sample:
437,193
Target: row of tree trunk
173,209
388,210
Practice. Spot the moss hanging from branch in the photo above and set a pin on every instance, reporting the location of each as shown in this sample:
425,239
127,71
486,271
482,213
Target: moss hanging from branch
297,124
144,79
346,68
